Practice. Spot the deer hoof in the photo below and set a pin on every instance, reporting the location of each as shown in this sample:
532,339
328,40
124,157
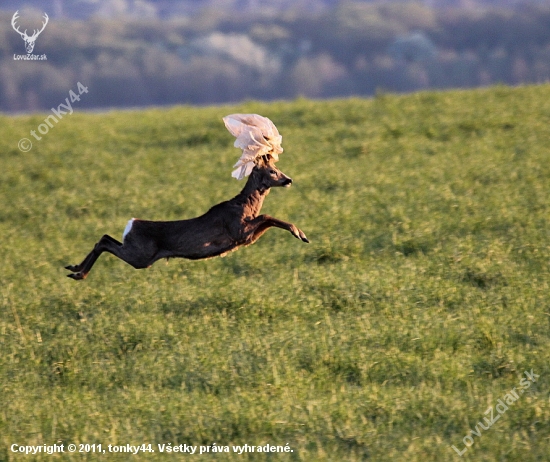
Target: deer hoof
77,276
73,268
299,234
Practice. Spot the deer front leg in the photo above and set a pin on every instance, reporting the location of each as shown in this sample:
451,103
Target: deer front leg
261,224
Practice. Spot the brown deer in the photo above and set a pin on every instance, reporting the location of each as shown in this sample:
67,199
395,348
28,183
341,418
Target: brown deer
225,227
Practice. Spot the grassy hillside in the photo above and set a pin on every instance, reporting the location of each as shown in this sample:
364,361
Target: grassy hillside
420,302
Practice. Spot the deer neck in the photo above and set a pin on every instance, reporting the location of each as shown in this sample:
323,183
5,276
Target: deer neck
252,197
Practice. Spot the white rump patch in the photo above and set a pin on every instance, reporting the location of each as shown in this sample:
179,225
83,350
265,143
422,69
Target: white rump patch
128,228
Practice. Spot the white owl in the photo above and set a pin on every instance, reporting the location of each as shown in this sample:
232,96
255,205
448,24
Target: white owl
257,136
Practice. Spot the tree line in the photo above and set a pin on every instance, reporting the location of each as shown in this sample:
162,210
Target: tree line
218,56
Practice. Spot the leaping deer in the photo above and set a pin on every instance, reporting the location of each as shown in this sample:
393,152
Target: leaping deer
29,41
226,226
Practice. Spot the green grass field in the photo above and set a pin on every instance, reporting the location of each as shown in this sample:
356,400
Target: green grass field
420,302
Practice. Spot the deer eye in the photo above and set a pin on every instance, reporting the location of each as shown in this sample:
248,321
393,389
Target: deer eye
272,172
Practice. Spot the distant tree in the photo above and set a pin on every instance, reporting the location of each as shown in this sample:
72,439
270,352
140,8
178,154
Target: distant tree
412,47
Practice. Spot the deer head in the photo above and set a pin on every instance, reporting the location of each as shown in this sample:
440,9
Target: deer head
29,41
269,176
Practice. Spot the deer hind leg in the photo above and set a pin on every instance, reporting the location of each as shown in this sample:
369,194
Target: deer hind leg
262,223
108,244
91,257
